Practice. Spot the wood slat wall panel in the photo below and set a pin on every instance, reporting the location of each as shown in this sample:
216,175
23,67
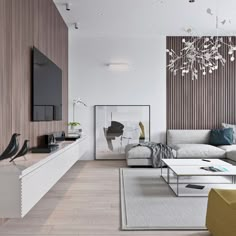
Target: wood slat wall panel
24,24
204,103
5,72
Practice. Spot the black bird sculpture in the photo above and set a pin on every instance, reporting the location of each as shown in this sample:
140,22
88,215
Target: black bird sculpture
23,151
12,148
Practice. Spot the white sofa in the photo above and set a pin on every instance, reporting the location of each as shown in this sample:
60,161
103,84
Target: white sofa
185,144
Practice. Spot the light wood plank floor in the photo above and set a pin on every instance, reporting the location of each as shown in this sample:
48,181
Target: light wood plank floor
84,202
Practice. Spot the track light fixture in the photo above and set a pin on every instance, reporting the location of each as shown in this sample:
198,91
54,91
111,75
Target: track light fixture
68,6
76,25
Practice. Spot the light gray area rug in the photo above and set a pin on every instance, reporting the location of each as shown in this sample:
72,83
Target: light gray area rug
147,203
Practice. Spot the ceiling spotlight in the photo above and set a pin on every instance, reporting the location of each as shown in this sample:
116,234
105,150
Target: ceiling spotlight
191,1
76,25
68,5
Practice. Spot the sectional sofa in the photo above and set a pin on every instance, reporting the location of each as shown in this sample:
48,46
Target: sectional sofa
185,144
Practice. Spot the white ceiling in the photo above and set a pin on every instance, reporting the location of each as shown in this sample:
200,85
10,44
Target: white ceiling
148,18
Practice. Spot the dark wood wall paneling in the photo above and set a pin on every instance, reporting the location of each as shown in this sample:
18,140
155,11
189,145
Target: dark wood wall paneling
204,103
24,24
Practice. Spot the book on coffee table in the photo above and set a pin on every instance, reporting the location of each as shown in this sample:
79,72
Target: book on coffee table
214,168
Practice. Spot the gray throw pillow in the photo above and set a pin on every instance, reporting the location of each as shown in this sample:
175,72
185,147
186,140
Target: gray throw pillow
224,125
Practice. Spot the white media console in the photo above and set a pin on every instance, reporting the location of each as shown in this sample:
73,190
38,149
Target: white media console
22,185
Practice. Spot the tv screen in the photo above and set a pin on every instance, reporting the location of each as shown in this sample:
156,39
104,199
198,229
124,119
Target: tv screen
47,89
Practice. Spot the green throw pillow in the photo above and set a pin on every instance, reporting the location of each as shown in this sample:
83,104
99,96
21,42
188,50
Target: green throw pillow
221,137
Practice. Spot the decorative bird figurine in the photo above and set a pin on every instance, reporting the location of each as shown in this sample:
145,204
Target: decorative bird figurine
12,148
23,151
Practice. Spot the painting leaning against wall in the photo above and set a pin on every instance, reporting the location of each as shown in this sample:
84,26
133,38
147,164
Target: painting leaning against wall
119,125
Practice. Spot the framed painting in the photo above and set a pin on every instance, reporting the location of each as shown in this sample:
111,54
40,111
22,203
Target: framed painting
116,126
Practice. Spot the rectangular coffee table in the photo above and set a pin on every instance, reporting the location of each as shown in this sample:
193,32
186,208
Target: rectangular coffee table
181,172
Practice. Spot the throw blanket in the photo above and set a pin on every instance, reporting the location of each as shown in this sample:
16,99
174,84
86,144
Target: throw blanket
159,151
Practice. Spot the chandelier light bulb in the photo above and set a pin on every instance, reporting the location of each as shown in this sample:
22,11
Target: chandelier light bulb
216,67
232,58
204,73
183,40
230,52
210,71
217,57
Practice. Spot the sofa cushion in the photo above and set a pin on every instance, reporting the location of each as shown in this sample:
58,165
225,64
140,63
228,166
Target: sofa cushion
230,151
188,136
198,151
221,136
224,125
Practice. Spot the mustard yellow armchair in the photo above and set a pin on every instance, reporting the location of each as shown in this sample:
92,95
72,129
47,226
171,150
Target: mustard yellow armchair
221,212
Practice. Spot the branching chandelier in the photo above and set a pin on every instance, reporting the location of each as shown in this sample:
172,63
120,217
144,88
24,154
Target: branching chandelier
200,55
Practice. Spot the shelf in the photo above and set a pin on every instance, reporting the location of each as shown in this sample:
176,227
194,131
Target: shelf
26,182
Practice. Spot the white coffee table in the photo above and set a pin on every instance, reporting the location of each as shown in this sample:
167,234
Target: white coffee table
181,172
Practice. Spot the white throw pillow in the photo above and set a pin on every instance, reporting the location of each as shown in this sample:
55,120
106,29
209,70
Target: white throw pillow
224,125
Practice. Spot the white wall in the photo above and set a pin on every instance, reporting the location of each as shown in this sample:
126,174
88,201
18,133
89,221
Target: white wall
143,84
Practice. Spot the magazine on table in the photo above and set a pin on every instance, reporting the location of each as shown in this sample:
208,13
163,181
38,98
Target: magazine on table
214,168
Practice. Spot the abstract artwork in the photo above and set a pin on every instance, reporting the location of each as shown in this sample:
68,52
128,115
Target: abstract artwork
116,126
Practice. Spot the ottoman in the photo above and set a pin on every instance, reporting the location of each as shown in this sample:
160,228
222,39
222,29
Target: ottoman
221,212
138,156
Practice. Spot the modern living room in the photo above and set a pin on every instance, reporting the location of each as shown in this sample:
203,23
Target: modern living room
118,117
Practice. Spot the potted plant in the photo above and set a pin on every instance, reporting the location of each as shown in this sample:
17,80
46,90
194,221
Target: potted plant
73,124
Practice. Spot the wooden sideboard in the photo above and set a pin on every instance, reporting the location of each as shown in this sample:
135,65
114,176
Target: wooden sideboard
26,182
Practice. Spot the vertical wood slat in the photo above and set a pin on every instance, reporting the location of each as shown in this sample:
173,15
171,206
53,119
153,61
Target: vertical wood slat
24,24
204,103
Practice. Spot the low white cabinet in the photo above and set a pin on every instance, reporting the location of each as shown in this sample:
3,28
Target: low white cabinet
24,184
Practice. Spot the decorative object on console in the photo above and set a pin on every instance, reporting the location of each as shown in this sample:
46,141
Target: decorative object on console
73,124
12,147
77,101
23,151
60,136
117,126
72,138
200,54
48,144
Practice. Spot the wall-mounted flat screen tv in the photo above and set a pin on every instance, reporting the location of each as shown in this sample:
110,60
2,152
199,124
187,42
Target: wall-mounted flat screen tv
46,89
